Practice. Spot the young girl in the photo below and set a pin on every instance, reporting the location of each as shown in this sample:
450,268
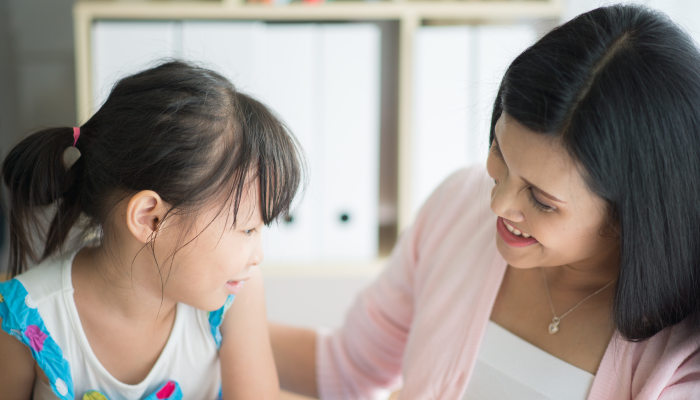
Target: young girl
170,183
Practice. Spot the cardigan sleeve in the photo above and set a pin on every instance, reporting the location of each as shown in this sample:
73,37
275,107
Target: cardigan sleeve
363,359
663,367
685,382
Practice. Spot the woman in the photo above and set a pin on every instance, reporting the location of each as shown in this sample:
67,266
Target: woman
583,278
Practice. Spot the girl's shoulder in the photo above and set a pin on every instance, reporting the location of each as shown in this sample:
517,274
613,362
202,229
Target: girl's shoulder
46,279
20,299
39,285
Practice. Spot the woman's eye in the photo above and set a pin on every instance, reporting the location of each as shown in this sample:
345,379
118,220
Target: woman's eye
538,205
496,150
249,232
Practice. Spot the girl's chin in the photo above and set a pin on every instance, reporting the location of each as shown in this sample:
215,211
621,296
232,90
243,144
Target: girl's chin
210,304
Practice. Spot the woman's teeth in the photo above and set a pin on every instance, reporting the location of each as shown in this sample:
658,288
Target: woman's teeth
514,231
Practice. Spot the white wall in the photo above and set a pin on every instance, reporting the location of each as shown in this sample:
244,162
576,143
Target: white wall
42,50
37,78
312,301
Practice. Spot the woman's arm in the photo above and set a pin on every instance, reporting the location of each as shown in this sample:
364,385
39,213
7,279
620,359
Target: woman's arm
16,368
366,354
363,356
295,356
247,367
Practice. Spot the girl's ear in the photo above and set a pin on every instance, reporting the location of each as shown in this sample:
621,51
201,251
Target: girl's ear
144,213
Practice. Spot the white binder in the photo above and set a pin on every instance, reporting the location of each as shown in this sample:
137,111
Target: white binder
123,48
350,140
292,90
442,82
496,48
234,49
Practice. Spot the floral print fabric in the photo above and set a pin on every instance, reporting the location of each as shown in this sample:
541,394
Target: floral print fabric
21,319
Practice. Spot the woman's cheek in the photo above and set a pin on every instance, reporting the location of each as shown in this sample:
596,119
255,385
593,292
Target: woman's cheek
491,167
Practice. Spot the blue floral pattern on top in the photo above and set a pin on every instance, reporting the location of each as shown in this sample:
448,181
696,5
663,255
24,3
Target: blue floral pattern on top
217,317
21,319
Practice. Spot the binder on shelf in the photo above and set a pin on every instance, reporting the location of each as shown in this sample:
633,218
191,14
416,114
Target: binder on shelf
234,49
350,141
121,48
456,78
496,48
292,90
442,83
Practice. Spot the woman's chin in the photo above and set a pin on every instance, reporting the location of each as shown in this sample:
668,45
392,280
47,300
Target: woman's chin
515,257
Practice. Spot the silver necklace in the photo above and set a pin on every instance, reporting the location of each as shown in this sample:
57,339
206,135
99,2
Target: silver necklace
554,326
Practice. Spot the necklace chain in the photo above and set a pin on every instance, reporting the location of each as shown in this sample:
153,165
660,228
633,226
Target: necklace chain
554,326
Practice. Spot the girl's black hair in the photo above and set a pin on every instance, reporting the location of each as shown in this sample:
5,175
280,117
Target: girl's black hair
182,131
620,87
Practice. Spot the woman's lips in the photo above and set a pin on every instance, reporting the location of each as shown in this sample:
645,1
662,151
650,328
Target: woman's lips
511,239
234,286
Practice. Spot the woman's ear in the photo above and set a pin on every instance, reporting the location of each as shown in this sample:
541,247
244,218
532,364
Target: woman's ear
144,213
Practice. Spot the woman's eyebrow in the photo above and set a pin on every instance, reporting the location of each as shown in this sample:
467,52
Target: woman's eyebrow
549,196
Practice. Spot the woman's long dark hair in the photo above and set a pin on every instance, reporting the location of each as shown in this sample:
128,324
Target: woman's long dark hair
179,130
620,86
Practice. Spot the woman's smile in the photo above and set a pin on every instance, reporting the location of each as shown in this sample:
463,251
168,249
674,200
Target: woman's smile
514,230
512,236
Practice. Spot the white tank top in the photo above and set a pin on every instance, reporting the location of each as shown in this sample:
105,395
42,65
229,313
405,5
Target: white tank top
509,368
190,356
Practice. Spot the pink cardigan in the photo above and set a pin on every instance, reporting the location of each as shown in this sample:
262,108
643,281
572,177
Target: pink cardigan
421,322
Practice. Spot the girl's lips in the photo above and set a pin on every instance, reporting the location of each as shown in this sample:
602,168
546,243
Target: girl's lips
511,239
234,286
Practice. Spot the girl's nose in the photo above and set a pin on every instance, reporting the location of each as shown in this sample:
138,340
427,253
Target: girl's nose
257,255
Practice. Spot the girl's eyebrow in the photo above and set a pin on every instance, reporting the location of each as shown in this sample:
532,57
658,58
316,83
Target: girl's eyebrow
545,194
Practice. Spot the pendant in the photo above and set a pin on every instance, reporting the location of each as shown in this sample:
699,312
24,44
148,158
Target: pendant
554,326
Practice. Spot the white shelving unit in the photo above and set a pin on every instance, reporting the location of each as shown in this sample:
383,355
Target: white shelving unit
409,16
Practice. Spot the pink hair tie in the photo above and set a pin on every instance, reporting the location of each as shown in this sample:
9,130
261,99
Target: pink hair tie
76,135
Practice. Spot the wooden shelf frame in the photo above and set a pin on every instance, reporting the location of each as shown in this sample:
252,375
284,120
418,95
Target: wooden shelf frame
410,15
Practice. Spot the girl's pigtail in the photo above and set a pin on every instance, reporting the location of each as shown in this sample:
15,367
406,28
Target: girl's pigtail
37,177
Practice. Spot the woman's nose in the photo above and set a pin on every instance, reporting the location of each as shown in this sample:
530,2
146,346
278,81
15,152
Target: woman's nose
504,201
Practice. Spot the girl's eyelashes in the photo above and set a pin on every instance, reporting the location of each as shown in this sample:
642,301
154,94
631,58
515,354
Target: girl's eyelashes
539,205
249,232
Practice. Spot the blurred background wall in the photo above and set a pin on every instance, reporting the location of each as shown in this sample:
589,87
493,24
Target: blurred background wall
37,74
